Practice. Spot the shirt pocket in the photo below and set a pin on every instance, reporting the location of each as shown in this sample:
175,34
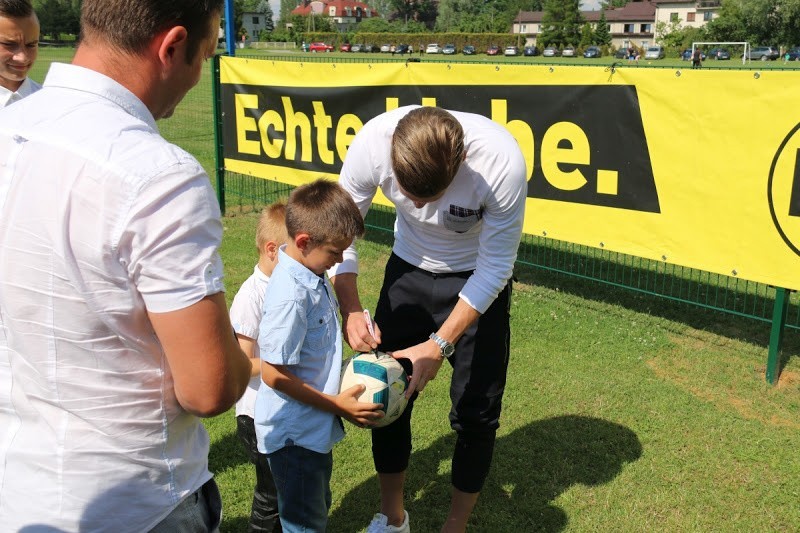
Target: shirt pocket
320,330
461,219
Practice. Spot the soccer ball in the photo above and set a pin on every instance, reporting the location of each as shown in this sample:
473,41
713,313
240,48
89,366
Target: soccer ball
385,379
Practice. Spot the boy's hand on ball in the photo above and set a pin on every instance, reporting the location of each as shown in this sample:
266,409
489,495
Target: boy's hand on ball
426,360
358,413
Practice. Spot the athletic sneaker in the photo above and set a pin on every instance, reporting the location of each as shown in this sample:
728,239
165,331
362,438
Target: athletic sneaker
380,524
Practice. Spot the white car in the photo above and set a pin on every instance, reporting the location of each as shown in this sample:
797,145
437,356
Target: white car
569,51
386,48
655,52
433,49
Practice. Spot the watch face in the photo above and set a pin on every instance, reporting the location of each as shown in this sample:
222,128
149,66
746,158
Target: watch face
448,349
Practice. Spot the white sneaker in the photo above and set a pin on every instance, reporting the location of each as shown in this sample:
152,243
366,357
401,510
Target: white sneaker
380,524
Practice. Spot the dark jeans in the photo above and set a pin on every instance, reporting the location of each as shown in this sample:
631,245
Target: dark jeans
413,304
200,512
303,478
264,512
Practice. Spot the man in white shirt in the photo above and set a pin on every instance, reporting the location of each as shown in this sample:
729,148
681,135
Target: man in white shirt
19,45
114,332
458,183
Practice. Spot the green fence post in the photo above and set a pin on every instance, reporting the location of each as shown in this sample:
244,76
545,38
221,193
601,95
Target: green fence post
776,334
218,149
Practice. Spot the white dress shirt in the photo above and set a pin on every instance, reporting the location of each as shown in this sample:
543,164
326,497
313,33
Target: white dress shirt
8,97
101,222
477,223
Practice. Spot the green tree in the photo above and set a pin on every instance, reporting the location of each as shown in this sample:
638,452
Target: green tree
375,25
601,34
561,22
57,17
587,35
265,9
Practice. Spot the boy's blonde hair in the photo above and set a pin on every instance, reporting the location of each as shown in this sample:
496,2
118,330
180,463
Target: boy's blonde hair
427,150
272,226
325,211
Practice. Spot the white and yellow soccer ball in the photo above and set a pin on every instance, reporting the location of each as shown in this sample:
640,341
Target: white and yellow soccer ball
385,381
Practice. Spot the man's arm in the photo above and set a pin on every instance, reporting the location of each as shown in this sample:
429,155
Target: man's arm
209,369
354,325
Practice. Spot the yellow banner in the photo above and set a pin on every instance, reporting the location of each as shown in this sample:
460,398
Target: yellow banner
691,167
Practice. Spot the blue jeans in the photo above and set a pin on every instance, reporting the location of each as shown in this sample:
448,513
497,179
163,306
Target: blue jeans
303,480
200,512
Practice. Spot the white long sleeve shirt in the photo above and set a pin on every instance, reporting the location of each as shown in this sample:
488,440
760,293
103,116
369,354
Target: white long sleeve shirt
477,223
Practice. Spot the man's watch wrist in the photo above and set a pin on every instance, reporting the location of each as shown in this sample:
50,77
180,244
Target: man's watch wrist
446,349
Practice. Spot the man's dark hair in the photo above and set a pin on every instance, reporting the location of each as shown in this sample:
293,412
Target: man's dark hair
131,25
16,9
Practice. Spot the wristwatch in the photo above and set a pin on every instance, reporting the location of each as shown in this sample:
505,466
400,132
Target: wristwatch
445,348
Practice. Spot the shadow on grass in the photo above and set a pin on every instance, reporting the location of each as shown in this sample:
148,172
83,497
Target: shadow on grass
227,452
532,466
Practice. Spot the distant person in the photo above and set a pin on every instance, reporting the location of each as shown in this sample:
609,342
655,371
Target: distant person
300,344
697,58
19,46
115,331
246,312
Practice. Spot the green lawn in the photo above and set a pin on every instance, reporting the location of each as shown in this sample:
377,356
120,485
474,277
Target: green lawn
622,413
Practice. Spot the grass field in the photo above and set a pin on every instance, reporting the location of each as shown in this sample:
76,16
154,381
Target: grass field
622,412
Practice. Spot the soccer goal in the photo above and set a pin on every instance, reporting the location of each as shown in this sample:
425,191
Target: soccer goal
734,49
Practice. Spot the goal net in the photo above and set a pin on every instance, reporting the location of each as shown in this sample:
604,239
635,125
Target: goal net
736,50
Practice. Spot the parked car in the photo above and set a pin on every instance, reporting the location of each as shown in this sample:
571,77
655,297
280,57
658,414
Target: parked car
356,47
369,48
449,49
386,48
346,47
719,53
511,51
402,49
551,51
530,51
593,51
655,52
468,50
433,48
764,53
493,50
621,53
794,54
686,55
320,47
569,51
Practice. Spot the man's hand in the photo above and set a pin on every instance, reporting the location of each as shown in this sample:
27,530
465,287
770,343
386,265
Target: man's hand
356,332
360,414
426,359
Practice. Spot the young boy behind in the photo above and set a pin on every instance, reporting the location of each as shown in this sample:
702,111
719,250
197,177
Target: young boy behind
300,343
246,312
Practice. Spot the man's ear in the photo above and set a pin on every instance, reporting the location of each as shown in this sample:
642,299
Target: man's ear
172,46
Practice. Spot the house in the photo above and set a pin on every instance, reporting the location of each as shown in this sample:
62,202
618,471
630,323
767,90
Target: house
252,23
631,25
344,14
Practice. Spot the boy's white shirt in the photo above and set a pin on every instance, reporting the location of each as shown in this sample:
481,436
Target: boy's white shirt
246,312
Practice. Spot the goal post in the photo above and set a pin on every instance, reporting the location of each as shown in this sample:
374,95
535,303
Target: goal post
736,49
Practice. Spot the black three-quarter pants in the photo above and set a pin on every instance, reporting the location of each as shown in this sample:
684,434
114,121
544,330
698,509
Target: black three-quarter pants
413,304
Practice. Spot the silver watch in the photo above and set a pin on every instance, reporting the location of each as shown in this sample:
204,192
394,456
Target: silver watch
445,348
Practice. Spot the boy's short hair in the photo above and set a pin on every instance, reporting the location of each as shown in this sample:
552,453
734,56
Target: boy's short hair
16,9
427,149
272,225
325,211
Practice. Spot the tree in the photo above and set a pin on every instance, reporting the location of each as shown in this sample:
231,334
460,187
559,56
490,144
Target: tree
57,17
601,34
587,35
561,22
265,9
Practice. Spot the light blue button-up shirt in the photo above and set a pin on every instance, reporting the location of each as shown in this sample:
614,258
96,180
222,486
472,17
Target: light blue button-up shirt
300,330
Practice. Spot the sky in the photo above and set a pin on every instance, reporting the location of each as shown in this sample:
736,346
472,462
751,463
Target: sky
590,5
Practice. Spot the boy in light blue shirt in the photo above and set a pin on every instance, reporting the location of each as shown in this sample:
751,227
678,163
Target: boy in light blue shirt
298,407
